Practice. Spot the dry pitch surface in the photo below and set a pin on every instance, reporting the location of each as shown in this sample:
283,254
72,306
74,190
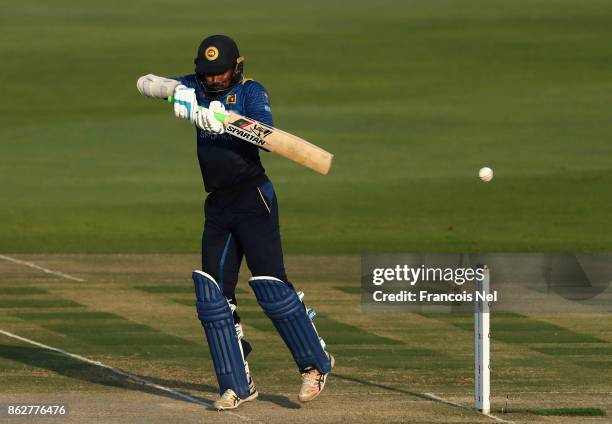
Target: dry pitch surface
135,313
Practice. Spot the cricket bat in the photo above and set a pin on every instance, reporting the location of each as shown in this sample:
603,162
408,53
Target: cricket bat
269,138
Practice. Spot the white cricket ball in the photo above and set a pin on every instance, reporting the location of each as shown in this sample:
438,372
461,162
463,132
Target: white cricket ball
485,174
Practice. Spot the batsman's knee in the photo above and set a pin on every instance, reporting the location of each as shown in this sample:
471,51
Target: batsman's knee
288,313
210,303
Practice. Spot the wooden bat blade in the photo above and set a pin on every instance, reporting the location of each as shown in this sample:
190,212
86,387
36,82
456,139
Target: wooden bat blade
280,142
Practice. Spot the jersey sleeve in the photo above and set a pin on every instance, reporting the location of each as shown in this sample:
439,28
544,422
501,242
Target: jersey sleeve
187,80
257,103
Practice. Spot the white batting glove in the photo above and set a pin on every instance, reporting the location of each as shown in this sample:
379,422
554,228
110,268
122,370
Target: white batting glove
206,120
185,103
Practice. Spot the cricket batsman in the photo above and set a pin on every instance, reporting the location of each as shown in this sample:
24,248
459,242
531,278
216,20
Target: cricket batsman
241,219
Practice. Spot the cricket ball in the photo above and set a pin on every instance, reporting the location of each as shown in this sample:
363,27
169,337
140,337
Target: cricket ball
485,174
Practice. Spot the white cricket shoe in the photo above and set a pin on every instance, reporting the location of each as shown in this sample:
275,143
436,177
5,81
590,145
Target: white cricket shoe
313,383
230,400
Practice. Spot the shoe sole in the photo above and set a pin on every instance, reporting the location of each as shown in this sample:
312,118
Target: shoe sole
333,362
250,398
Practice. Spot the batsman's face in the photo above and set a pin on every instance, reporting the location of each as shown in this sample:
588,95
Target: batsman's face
220,81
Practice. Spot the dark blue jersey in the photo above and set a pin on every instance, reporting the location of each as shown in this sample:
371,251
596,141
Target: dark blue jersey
227,161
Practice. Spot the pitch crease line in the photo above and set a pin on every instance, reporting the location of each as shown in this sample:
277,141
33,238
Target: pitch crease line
40,268
129,376
458,405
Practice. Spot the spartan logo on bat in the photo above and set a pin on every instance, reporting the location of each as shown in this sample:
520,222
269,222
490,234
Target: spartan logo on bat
251,126
244,134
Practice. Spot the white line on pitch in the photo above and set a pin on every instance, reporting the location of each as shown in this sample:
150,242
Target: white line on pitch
448,402
129,376
40,268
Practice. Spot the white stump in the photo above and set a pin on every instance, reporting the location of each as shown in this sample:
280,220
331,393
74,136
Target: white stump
482,346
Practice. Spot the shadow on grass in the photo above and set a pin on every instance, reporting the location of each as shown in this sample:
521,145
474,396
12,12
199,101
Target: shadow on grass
73,368
423,396
282,401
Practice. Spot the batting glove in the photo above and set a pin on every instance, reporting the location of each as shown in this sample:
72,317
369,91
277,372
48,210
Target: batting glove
206,120
185,103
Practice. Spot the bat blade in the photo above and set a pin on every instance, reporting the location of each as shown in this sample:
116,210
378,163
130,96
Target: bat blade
280,142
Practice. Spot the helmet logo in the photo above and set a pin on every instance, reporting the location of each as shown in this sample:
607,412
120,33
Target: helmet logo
211,53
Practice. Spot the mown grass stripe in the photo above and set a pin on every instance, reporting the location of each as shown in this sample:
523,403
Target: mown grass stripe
569,412
76,315
575,351
15,291
341,333
166,289
38,303
520,329
103,329
349,289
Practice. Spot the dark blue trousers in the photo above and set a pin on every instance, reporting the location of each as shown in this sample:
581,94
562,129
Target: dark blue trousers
242,222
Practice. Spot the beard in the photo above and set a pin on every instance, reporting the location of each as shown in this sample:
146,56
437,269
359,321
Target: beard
219,86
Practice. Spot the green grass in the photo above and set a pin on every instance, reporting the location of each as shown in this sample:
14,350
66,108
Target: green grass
101,331
349,290
166,289
75,316
21,291
570,412
38,303
514,328
411,97
576,351
344,334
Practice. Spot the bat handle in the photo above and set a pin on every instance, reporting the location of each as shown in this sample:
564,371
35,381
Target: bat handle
218,115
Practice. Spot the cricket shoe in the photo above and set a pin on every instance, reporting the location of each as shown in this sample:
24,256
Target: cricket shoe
230,400
313,383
